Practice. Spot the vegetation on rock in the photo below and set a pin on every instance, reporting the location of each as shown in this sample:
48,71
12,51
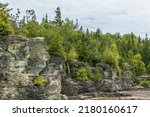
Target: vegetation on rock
40,81
66,38
5,23
145,83
82,74
97,75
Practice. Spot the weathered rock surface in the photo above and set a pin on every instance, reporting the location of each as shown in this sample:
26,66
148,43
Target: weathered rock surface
87,86
69,87
126,82
106,86
21,61
75,88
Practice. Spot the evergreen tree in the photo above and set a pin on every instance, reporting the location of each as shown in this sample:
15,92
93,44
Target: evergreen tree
64,38
111,56
137,65
58,21
5,23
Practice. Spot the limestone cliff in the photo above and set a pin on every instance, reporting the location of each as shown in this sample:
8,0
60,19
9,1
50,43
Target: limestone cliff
27,71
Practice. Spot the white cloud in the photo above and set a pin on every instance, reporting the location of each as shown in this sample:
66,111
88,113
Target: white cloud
123,16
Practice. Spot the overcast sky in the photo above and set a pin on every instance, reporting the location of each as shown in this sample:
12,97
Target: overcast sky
112,16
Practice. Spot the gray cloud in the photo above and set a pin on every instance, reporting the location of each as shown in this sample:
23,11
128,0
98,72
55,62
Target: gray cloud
123,16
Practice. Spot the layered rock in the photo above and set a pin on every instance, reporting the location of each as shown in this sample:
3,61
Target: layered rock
110,83
21,61
28,72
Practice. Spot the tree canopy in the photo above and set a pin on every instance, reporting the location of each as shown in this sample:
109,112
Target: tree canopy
68,39
5,23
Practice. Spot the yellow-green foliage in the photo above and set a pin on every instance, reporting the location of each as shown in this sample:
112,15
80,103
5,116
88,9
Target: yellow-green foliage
5,28
148,68
145,83
97,74
40,81
82,74
72,55
5,24
138,66
111,56
55,44
87,67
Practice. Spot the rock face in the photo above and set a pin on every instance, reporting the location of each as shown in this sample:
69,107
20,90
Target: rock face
69,87
28,72
106,86
87,86
110,83
21,61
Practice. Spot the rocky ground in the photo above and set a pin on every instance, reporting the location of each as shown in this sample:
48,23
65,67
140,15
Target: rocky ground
137,95
142,94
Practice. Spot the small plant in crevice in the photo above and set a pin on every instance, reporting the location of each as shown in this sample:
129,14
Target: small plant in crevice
40,81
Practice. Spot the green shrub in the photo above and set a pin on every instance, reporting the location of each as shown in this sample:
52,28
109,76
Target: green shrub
145,83
87,67
111,56
40,81
97,74
5,23
5,28
72,55
148,68
82,74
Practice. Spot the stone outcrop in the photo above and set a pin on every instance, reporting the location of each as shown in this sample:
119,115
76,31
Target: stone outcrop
110,83
106,86
22,60
87,86
27,71
69,87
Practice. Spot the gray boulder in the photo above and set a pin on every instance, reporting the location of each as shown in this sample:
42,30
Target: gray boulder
69,87
87,86
106,86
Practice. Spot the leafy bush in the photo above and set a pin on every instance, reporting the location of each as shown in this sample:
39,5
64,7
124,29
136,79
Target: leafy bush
5,28
137,65
82,74
111,56
40,81
145,83
5,24
87,67
148,68
97,74
72,54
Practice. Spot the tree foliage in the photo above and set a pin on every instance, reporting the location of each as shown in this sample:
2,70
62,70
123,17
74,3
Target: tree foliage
5,23
112,57
68,39
137,65
82,74
97,75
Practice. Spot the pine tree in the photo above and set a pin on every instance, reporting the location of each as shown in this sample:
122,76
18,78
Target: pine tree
58,21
